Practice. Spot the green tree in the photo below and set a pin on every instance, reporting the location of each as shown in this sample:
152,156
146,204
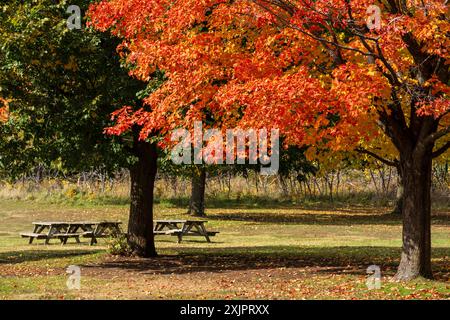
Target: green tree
62,86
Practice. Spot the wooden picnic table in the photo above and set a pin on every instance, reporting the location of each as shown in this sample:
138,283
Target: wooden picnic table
103,229
182,228
64,230
54,229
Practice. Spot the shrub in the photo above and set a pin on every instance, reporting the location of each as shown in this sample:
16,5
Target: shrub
118,246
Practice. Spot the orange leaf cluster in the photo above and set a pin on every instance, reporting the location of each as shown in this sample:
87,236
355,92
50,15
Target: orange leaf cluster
4,110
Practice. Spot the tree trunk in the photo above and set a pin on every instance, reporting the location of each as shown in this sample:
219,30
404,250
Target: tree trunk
143,175
399,197
416,210
197,202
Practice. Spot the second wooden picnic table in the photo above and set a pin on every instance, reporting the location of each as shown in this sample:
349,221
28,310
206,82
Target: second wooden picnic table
182,228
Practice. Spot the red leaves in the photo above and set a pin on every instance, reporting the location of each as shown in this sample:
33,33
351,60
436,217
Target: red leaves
4,110
123,121
435,108
438,106
251,67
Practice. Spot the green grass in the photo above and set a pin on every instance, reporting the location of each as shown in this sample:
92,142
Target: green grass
279,251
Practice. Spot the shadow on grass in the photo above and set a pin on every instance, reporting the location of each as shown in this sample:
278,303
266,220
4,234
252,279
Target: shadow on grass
345,214
320,219
260,202
14,257
344,260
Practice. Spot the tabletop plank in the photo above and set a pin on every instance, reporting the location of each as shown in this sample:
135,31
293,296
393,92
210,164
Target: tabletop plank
50,223
180,221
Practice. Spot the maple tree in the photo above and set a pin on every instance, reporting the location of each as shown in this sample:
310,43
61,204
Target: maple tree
391,81
313,69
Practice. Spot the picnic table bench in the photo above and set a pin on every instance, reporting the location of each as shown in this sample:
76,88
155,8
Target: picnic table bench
183,228
65,230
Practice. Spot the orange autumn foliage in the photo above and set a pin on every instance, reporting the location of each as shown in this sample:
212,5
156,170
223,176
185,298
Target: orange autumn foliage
4,110
309,68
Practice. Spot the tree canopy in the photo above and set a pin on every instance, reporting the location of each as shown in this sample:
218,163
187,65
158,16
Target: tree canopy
61,86
311,68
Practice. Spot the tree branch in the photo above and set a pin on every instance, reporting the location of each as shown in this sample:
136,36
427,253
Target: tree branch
441,150
286,22
439,134
385,161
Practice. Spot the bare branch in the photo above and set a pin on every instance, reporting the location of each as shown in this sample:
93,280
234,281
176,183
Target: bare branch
376,156
441,150
437,135
286,22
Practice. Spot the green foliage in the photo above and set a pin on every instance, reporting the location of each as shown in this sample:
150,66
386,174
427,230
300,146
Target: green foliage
118,246
293,161
62,86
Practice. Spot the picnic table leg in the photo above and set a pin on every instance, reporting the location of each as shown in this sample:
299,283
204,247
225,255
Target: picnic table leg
93,239
52,230
49,234
63,230
86,228
37,229
201,228
184,230
74,229
34,231
97,230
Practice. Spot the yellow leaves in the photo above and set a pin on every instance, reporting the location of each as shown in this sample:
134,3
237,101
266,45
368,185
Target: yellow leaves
372,72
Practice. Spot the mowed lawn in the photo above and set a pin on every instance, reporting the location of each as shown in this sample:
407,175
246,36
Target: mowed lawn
260,253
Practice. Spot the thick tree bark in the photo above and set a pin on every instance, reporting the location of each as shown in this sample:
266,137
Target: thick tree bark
197,202
143,175
416,210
